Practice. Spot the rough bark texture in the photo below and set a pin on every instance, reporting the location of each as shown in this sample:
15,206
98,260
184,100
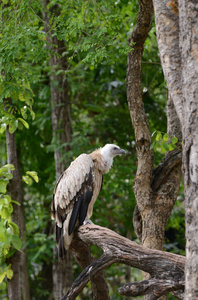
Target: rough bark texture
166,269
177,31
135,102
82,254
188,12
155,190
14,188
167,26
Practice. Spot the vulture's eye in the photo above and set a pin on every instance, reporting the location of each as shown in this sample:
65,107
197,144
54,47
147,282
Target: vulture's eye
115,148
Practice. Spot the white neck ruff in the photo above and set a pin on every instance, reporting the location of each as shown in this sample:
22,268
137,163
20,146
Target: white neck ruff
107,159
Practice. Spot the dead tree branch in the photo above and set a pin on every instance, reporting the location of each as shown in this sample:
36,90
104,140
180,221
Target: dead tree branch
156,288
83,256
166,269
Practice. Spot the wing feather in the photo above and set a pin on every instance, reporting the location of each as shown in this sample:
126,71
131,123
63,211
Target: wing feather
86,198
74,215
72,195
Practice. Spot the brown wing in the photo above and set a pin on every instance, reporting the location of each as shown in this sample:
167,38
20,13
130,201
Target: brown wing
71,198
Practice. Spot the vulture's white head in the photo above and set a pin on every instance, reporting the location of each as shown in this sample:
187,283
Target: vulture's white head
108,152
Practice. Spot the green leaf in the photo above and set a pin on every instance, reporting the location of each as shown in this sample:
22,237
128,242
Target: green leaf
34,175
163,150
174,140
7,167
165,145
166,137
13,125
9,273
24,112
24,123
32,114
6,272
158,136
5,171
6,200
152,145
16,202
21,97
3,128
15,228
6,212
3,185
27,180
171,147
20,126
16,241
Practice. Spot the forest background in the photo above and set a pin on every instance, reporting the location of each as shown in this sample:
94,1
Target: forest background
76,50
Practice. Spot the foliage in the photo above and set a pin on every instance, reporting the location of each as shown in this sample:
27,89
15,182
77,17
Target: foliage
163,143
9,231
10,240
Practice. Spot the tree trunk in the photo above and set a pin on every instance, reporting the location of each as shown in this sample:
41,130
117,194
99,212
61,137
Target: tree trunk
15,190
188,15
155,190
167,26
19,259
177,39
62,130
24,261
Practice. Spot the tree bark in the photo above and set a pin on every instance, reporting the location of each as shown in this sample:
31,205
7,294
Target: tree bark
167,26
20,279
188,15
24,260
15,190
154,201
166,269
82,254
177,23
62,130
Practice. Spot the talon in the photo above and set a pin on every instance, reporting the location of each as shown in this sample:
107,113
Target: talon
87,221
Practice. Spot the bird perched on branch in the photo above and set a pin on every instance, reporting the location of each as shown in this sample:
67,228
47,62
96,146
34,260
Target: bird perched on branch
77,190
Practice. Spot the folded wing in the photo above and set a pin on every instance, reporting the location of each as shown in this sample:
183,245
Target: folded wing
72,195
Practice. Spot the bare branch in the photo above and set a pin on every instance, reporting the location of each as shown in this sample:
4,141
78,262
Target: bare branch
163,267
155,287
83,256
101,263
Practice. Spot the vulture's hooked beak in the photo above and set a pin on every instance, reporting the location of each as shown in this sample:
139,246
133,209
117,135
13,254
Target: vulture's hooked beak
122,152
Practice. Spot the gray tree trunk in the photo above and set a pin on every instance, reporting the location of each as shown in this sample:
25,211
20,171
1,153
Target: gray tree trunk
177,32
188,15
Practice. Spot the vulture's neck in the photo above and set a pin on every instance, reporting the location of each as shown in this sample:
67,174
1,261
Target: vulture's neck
101,160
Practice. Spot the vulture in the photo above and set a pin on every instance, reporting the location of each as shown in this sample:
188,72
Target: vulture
77,190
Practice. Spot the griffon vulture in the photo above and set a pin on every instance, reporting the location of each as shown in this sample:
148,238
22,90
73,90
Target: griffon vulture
77,190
